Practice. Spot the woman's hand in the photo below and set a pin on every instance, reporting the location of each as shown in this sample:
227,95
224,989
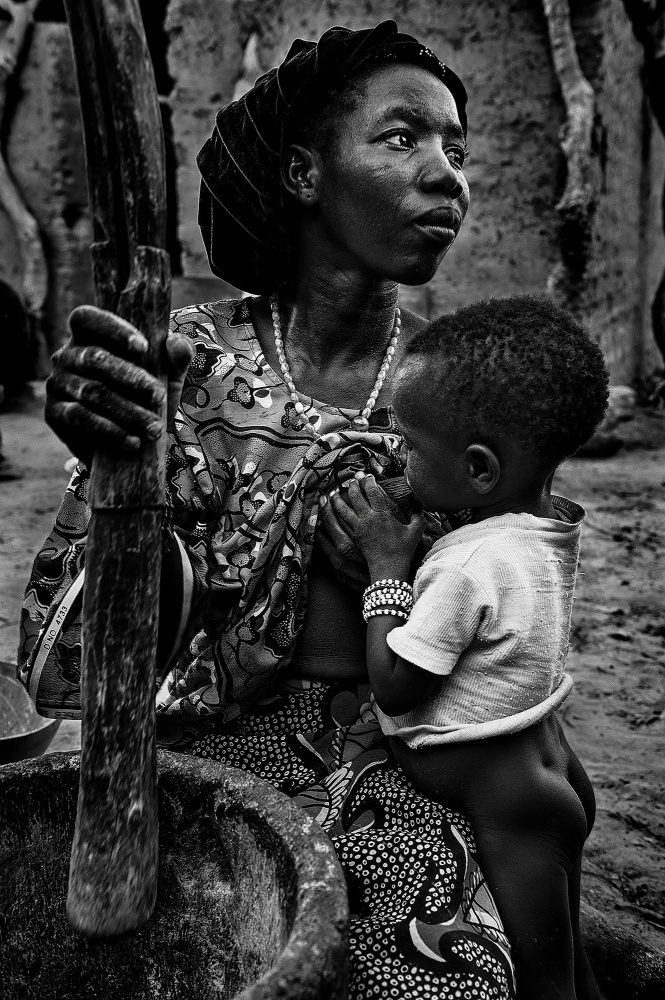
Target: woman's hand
387,544
99,395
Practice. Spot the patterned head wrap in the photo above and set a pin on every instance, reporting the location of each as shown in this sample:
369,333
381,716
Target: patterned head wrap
243,206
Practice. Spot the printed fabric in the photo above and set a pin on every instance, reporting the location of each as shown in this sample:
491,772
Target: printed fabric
243,480
423,923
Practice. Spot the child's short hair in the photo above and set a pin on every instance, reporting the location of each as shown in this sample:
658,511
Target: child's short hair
521,366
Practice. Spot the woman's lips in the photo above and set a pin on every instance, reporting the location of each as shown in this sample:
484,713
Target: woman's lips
440,224
442,234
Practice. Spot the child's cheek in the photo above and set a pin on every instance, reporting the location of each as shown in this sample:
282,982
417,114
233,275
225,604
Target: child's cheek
413,478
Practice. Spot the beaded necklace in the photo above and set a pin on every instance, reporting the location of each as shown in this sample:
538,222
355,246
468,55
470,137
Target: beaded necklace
361,422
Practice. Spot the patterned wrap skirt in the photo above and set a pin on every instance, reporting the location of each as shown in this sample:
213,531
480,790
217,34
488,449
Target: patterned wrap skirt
423,923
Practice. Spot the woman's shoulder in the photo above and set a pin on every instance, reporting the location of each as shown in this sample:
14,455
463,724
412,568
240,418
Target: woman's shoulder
226,322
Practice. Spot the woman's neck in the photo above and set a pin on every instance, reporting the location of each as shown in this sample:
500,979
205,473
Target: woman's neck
341,318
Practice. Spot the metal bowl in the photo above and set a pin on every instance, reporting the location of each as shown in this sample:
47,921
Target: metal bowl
23,733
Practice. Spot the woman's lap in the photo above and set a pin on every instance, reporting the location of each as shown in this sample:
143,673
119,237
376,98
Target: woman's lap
423,924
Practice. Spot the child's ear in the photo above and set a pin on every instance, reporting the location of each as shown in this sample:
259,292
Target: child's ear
483,466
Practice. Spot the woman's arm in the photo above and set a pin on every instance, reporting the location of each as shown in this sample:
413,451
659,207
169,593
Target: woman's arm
99,395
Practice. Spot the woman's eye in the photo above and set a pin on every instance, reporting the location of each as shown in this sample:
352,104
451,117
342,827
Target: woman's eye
456,156
400,139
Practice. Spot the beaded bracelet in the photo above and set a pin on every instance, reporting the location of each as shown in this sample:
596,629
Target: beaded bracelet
375,612
390,609
383,584
382,602
388,597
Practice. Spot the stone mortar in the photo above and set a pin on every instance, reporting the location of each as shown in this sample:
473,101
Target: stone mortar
251,900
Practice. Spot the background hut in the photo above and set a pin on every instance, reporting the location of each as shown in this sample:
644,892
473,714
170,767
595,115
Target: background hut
604,258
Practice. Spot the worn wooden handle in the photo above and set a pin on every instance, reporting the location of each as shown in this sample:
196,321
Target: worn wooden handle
113,871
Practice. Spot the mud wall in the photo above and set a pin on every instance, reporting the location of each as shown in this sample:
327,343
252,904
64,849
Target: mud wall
44,152
209,50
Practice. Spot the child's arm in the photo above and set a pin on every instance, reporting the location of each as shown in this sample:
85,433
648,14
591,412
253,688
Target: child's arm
398,685
388,546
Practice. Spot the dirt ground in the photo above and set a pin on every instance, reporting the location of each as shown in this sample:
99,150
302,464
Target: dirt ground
615,717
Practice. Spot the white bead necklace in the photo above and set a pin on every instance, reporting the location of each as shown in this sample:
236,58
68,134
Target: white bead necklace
361,422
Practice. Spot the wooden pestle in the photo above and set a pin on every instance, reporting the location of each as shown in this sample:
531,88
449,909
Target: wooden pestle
113,871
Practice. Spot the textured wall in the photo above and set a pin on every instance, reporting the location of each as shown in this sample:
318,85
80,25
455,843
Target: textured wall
509,242
509,238
628,250
45,155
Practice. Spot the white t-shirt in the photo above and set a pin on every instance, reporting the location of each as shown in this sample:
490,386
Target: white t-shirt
493,603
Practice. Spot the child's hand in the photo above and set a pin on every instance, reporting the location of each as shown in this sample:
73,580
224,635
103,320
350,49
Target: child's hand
387,544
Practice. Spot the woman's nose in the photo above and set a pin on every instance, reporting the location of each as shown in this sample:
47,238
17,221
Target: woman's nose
440,175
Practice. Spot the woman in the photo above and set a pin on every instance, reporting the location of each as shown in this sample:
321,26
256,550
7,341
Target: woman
336,177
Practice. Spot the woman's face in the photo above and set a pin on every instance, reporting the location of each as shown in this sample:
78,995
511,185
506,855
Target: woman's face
391,194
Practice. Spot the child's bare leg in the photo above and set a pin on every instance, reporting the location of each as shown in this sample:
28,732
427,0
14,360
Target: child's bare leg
530,826
586,987
525,849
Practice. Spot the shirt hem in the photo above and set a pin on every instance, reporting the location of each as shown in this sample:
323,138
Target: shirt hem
420,736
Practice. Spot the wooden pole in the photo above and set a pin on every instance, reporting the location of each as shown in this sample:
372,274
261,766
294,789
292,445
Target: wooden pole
577,206
113,873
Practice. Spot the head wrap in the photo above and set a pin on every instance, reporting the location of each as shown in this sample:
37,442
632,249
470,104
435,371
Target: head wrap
243,210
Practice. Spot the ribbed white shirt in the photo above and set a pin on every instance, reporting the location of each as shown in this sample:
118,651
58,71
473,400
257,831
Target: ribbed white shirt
492,611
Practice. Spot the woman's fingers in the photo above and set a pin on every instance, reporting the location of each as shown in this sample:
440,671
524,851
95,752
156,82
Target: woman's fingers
99,365
99,393
96,327
179,353
81,426
103,400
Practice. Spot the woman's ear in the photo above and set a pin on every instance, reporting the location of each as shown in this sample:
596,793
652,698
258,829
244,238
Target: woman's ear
300,174
484,468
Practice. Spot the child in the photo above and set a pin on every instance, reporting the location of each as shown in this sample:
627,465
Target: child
467,672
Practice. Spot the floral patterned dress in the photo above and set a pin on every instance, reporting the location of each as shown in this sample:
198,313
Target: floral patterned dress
243,481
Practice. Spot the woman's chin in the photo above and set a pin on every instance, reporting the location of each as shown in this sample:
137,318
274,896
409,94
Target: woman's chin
421,270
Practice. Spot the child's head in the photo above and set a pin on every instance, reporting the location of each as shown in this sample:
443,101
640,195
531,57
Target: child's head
493,397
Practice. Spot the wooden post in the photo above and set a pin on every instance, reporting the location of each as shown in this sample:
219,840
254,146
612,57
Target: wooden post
578,204
113,873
